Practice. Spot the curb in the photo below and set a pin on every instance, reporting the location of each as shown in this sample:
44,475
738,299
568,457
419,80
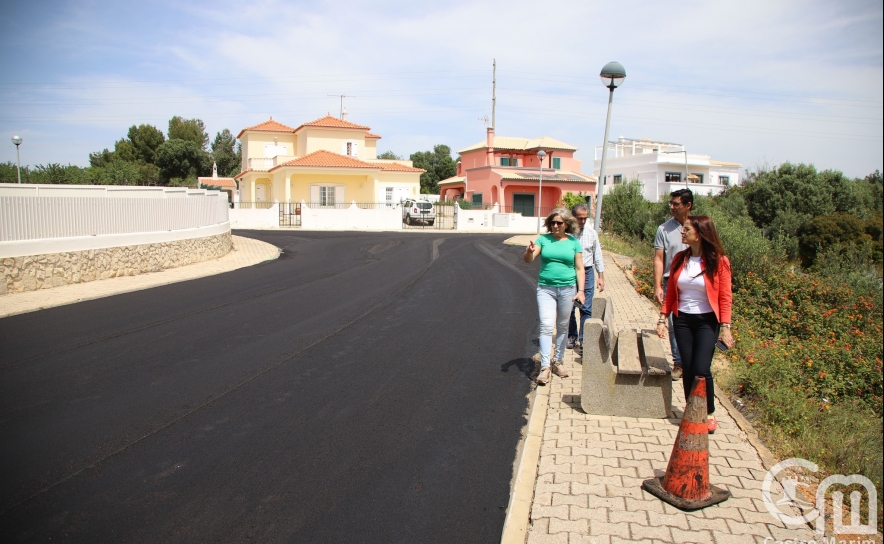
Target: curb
518,511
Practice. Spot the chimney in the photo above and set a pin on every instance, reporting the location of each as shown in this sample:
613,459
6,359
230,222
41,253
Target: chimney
489,143
344,114
214,170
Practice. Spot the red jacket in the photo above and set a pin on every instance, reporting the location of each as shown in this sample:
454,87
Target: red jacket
718,290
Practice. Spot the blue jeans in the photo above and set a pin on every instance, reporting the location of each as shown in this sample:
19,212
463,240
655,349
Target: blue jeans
585,309
553,305
676,355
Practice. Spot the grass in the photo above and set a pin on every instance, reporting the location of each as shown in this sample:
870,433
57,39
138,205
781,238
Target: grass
625,246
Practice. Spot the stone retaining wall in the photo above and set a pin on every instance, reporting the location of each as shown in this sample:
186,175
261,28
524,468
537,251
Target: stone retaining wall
35,272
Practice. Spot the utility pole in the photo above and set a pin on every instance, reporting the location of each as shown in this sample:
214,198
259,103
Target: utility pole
342,97
493,92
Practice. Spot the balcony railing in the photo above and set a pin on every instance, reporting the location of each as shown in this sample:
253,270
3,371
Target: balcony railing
263,164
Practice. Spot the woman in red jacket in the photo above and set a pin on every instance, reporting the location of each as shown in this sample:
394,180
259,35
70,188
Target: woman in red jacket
699,296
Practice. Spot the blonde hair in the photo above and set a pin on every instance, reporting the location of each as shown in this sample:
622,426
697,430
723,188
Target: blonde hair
570,223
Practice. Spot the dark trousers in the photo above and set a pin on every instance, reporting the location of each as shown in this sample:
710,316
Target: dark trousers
696,335
585,308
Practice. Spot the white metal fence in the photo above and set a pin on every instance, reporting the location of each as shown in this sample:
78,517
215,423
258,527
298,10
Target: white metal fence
94,211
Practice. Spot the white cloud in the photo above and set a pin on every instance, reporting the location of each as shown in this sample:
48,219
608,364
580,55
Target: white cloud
741,81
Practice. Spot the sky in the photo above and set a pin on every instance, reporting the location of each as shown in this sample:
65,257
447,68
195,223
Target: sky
754,82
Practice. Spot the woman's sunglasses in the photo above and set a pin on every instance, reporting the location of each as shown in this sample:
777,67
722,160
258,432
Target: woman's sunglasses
557,223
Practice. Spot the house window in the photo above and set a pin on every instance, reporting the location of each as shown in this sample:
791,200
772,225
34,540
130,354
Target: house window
350,149
504,161
673,177
388,194
326,196
557,163
724,180
699,176
515,161
618,178
477,199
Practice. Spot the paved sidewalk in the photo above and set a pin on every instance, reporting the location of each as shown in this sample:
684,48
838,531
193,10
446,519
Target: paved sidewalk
246,252
590,470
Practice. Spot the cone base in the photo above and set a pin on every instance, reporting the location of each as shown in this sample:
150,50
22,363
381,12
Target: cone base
654,486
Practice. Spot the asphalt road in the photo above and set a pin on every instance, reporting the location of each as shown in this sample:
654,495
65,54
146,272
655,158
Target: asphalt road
365,387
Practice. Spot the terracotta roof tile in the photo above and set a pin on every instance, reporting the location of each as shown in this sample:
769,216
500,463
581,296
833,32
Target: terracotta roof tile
396,167
370,136
332,122
218,182
241,174
267,126
327,159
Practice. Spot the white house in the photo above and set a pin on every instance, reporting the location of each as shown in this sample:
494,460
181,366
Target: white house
663,167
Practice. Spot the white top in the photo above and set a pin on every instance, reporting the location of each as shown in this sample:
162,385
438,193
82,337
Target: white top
692,297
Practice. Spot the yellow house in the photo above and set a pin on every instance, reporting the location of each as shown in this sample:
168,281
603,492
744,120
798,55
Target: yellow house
324,162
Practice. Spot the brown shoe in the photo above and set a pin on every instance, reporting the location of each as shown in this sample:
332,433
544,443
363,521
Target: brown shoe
544,376
676,372
559,369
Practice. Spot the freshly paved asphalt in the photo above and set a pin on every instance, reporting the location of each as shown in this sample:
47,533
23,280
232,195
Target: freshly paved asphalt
364,387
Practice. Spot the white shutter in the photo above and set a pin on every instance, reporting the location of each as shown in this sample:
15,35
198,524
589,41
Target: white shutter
343,148
314,194
269,151
355,150
339,194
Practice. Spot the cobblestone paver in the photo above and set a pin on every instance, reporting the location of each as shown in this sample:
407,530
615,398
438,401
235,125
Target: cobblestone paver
246,252
588,487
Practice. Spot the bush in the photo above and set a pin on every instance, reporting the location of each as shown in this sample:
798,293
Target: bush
625,211
825,231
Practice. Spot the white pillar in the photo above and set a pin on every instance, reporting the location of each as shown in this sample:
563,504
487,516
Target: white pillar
288,188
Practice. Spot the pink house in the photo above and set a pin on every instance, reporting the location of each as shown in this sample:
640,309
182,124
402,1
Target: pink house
506,171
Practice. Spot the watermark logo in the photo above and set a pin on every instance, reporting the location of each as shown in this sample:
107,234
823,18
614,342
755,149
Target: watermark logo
806,512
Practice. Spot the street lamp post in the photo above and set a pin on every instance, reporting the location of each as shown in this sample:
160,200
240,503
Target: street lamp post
17,141
540,155
612,76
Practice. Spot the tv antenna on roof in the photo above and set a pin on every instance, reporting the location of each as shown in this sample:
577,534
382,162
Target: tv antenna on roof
342,97
484,120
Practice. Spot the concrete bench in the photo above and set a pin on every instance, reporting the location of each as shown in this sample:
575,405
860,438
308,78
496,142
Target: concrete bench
624,373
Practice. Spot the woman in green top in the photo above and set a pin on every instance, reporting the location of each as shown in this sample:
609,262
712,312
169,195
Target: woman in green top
559,284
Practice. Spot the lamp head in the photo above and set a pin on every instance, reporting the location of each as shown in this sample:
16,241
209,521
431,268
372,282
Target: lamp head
612,75
17,140
541,154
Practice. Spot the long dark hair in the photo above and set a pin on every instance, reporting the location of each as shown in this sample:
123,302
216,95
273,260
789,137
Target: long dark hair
710,245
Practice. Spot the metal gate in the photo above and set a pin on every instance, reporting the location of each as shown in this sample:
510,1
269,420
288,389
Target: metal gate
289,214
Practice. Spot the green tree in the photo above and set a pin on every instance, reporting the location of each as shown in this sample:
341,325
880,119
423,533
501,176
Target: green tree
182,159
116,172
125,151
390,156
9,173
190,130
145,140
438,165
100,158
60,174
226,153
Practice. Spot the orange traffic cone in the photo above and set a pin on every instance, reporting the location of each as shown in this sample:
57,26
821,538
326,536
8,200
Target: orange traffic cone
686,482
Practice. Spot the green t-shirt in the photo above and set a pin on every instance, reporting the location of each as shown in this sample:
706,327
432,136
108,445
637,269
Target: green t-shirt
557,260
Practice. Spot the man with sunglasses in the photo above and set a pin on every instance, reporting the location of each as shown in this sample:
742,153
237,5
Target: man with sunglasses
592,264
667,243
